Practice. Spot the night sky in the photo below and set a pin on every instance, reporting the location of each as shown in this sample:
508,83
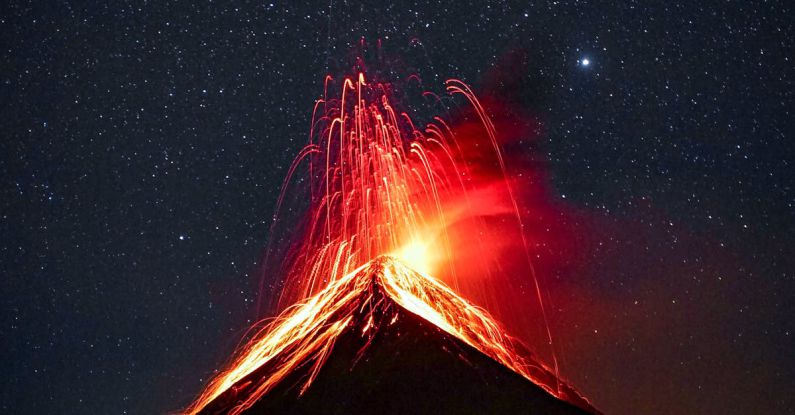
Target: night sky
143,146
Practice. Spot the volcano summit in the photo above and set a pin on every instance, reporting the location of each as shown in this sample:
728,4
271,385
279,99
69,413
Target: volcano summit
387,340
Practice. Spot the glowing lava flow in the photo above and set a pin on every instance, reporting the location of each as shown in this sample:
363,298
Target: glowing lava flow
305,333
377,186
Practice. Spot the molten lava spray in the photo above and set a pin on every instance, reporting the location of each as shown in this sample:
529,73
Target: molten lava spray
380,185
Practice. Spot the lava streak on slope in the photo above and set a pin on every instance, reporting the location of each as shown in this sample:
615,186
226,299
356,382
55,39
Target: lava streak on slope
365,302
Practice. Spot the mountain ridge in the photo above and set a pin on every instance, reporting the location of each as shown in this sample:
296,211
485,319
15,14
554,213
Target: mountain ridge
382,332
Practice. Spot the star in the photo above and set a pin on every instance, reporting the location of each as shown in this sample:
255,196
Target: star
585,61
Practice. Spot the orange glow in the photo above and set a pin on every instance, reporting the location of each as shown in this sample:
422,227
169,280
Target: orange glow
380,186
418,255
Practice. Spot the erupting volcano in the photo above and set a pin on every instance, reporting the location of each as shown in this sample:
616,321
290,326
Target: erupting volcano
376,271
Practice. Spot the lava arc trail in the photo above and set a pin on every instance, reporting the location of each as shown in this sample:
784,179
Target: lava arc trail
382,193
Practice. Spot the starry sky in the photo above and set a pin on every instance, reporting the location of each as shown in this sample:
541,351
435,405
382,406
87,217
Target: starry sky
143,146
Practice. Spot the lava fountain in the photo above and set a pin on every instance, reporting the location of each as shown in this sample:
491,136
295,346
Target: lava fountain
383,192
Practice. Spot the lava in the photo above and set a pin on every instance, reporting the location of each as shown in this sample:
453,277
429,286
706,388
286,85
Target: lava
379,185
306,333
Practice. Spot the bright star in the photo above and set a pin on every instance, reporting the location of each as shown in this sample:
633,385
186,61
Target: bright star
585,62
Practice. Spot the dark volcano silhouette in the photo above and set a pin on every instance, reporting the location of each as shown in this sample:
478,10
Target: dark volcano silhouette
398,363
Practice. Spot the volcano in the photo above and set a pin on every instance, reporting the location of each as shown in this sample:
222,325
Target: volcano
387,340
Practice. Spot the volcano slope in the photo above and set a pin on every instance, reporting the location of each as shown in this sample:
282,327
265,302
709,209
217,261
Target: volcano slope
387,340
